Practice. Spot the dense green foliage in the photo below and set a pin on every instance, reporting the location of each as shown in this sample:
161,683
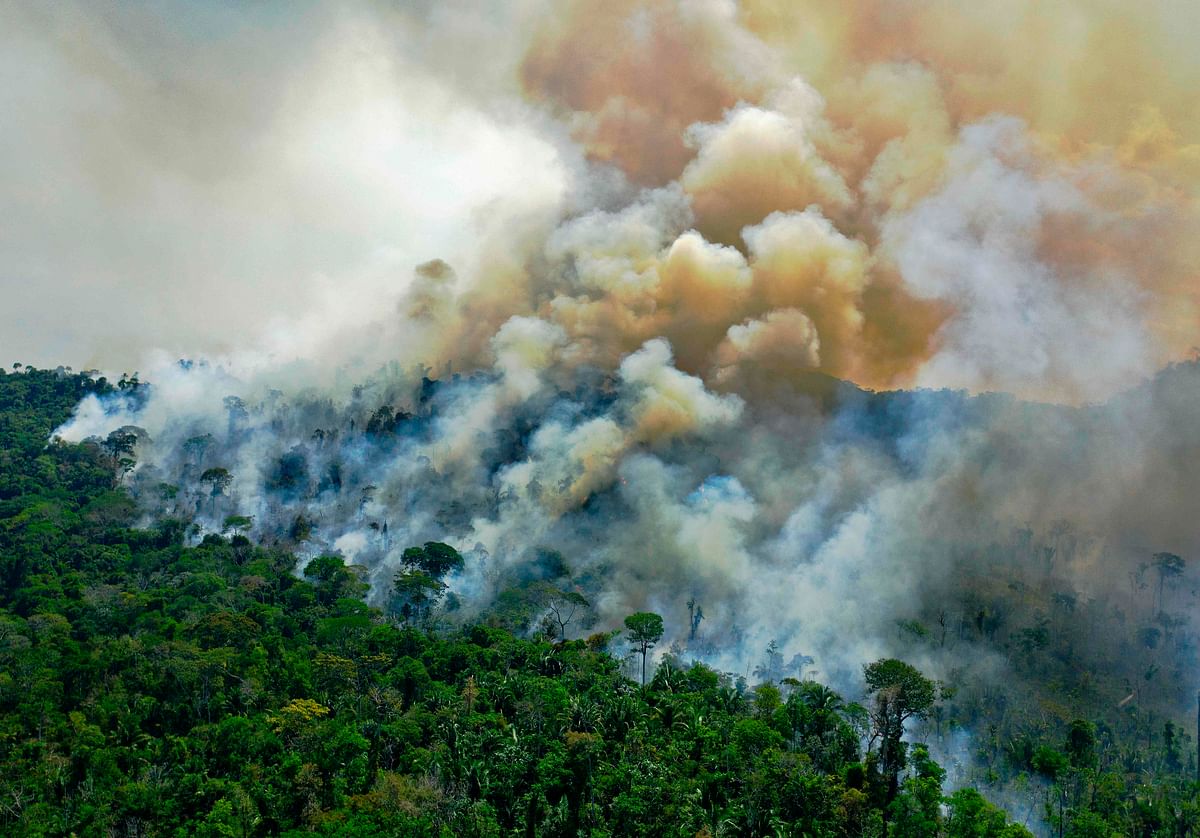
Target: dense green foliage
151,688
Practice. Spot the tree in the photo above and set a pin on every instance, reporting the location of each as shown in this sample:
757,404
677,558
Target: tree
800,662
561,605
290,475
971,816
219,480
385,421
435,558
333,579
1081,744
916,811
1054,766
239,524
695,615
122,441
196,446
771,669
1167,565
366,496
418,587
645,630
236,410
167,492
901,693
415,593
120,445
301,529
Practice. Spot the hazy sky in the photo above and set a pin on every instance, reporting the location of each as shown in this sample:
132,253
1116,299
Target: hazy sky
176,175
998,195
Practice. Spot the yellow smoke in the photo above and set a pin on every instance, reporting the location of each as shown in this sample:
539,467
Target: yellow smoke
809,158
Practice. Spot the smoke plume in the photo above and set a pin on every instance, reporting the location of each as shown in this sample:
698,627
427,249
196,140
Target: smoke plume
621,279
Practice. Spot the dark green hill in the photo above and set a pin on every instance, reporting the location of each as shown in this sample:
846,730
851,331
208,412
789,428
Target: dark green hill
148,688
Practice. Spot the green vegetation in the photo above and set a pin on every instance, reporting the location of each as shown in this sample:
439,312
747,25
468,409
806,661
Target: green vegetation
148,688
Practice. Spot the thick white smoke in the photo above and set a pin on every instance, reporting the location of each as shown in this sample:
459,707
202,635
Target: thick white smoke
592,277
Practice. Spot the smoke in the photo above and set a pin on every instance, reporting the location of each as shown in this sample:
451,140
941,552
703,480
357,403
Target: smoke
264,181
1025,321
215,180
607,277
817,522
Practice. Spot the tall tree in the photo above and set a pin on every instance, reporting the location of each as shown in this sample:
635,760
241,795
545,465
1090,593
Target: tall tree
561,606
1167,565
418,587
695,615
645,630
195,448
219,479
415,594
901,692
434,557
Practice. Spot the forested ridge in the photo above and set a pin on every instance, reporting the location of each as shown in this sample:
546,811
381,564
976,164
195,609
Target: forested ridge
148,687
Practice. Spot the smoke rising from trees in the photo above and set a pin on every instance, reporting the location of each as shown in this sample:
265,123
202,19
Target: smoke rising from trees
584,276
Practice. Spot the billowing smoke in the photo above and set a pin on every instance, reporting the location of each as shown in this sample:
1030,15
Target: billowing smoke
612,308
818,518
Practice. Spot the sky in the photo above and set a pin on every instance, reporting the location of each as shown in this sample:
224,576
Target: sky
188,176
993,196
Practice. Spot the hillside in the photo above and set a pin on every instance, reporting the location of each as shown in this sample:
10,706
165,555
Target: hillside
153,688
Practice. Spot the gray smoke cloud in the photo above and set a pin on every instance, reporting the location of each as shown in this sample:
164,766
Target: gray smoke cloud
816,523
207,178
593,276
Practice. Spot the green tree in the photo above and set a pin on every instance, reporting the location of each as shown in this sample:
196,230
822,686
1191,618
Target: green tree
334,580
645,630
1081,744
415,594
1055,767
916,811
901,692
218,479
239,524
435,558
971,816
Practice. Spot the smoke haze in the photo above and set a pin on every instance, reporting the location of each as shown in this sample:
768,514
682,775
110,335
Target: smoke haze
637,243
951,197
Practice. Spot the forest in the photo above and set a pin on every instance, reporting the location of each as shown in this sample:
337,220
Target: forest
156,683
690,418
